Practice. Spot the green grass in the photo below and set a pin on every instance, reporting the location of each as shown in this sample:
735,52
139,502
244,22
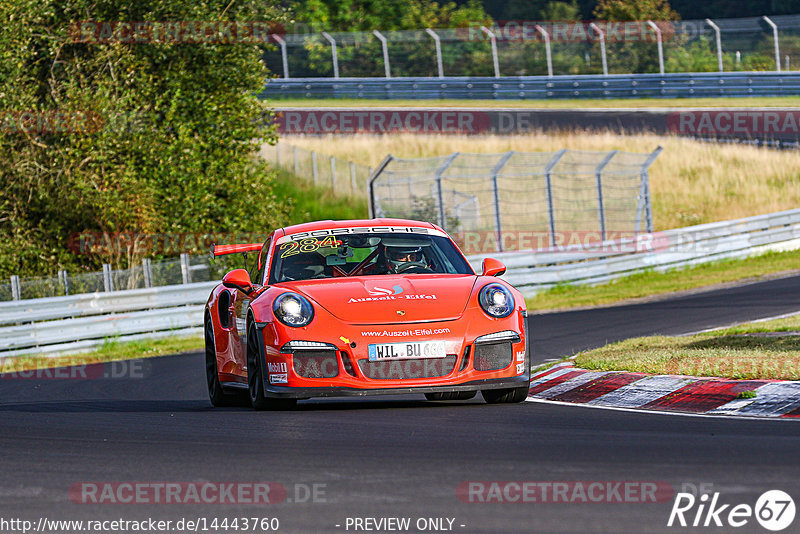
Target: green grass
111,350
728,353
310,203
650,283
780,101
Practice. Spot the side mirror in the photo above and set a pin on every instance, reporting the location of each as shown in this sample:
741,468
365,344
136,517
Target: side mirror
238,279
493,267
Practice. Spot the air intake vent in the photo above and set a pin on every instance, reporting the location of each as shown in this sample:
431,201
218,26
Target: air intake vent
492,356
316,363
408,369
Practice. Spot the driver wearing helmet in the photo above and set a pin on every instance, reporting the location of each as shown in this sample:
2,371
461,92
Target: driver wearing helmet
405,258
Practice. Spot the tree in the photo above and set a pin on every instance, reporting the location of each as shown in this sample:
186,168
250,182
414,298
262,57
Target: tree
160,135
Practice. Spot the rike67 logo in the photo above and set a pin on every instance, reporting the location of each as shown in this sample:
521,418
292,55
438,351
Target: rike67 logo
774,510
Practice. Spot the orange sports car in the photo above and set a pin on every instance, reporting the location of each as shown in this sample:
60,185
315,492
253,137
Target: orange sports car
379,306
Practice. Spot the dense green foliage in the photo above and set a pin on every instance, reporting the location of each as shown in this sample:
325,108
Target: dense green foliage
160,135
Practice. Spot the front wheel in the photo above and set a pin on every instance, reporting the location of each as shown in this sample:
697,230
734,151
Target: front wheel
255,377
503,396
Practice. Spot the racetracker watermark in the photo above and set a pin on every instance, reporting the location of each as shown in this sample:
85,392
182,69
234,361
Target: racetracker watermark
154,244
25,368
570,31
258,493
560,492
734,122
383,121
174,32
50,122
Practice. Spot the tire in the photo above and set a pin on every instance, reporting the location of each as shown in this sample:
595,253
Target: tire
216,394
255,377
450,395
505,396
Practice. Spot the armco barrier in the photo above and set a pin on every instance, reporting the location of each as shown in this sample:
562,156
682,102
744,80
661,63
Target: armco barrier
669,85
79,322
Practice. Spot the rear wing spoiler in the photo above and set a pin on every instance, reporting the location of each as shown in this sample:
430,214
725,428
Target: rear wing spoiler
222,250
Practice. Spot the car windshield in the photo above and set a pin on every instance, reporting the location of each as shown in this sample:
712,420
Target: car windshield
301,257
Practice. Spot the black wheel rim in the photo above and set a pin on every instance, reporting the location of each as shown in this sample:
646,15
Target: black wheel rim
211,361
253,365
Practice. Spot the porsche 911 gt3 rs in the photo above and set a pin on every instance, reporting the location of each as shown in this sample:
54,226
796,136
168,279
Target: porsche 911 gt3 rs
379,306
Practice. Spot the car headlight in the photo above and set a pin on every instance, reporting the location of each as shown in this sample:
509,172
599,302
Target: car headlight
293,310
496,300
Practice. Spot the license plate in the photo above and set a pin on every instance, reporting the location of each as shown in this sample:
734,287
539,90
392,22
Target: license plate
406,351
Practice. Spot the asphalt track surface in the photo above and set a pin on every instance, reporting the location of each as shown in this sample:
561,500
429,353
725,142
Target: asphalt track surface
397,456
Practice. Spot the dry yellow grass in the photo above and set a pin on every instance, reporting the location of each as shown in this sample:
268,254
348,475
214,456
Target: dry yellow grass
692,182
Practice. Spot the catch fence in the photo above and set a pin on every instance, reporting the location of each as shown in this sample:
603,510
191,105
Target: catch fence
520,200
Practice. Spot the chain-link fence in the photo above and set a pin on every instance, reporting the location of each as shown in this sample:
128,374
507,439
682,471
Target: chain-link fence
520,200
341,176
183,270
530,48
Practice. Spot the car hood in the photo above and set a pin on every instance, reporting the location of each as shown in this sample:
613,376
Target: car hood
391,299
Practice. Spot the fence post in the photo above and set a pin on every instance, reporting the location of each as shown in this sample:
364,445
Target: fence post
493,40
284,59
719,43
551,215
660,47
108,281
438,50
333,174
439,193
186,274
353,185
278,154
147,271
64,279
296,164
16,292
371,184
385,48
645,190
334,56
314,165
775,40
546,49
498,227
598,173
602,36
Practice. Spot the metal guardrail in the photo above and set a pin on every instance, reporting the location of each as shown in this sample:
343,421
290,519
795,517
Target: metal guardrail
669,85
535,271
80,322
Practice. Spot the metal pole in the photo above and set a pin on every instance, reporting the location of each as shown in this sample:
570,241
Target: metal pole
547,49
278,154
438,52
284,59
493,40
439,172
353,185
16,292
108,282
314,165
646,187
333,174
371,184
549,188
660,47
335,57
775,39
598,174
719,43
147,271
385,47
498,228
602,36
64,280
296,164
185,274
